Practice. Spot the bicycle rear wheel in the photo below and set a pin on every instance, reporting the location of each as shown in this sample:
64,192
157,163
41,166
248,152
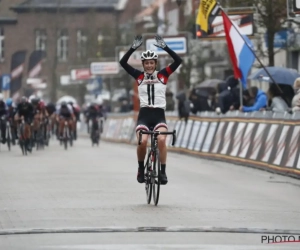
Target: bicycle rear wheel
65,138
71,138
148,182
93,135
22,140
8,137
156,177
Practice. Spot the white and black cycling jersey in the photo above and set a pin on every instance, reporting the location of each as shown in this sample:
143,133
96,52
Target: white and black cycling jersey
152,88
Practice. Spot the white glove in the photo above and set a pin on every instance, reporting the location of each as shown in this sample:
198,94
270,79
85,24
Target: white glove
160,42
138,40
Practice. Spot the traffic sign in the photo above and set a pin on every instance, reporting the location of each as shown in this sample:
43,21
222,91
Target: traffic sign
6,82
104,68
177,44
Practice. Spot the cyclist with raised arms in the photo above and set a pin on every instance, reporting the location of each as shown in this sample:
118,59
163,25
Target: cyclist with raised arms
152,95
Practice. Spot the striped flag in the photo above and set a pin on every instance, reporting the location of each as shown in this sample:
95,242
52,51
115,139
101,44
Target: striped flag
240,50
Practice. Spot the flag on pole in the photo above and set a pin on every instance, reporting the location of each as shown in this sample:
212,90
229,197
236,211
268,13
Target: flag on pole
207,9
240,50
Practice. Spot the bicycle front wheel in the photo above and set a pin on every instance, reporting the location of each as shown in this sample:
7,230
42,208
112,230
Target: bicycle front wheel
156,177
148,181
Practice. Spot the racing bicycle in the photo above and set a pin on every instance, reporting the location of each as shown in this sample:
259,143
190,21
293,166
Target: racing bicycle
152,167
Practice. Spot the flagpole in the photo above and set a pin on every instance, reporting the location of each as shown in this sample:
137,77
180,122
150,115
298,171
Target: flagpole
250,49
241,93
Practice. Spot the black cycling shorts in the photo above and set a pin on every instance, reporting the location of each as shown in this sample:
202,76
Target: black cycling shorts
150,119
65,115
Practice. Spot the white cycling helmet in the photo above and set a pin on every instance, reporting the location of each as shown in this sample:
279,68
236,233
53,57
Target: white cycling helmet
148,55
31,98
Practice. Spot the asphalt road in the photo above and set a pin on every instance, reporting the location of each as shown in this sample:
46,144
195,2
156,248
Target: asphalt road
88,198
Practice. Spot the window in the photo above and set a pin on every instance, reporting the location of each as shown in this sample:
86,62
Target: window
62,45
81,44
2,44
40,40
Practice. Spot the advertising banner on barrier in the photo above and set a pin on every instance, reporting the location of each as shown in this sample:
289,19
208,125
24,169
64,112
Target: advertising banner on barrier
246,141
122,130
112,128
237,139
281,145
186,135
257,142
194,134
180,126
290,156
200,139
126,130
105,128
117,128
260,142
227,138
131,129
269,143
209,137
218,137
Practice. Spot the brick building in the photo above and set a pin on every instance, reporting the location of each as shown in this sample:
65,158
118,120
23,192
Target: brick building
69,31
75,32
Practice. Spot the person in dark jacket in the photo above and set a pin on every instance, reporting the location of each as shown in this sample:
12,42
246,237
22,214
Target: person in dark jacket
183,106
229,94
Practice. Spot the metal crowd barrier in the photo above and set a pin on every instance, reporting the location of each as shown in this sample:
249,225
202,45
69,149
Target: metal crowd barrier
264,140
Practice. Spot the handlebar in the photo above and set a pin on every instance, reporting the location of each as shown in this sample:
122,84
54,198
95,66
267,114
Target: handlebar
156,133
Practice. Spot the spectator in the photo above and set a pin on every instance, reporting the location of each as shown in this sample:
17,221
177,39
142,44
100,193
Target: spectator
296,98
212,100
247,100
124,106
169,100
277,103
229,95
183,106
260,102
199,103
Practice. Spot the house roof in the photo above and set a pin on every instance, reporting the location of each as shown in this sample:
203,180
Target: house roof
75,4
6,14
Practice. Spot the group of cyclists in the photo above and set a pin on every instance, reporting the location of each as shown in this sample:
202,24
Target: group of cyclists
41,119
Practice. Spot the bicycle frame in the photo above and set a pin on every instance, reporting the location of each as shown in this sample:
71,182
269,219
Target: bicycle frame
153,140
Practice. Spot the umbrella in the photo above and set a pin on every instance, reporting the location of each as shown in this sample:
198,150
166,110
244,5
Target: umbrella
181,96
209,83
207,87
66,98
280,75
